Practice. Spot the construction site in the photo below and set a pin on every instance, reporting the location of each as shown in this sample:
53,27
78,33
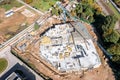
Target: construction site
63,50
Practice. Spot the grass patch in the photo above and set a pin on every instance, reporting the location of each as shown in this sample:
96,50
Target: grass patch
43,5
36,26
12,4
9,34
114,10
3,64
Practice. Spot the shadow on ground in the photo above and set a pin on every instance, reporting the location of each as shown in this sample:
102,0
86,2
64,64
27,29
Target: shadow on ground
26,72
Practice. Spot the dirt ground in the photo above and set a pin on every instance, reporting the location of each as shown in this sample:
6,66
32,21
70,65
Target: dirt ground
104,72
9,26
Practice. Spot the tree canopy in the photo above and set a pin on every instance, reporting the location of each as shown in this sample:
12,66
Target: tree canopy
86,9
111,36
114,49
56,11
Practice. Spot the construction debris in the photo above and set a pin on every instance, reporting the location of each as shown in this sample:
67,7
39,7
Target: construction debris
66,51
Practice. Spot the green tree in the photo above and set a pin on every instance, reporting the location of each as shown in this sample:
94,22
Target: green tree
109,22
79,10
111,36
55,12
36,26
114,49
89,14
116,59
85,11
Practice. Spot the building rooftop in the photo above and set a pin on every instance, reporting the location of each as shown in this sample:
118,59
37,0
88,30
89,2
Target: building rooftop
13,76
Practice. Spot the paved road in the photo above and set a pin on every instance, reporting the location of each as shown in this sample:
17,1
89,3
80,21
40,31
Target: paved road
12,60
118,9
105,8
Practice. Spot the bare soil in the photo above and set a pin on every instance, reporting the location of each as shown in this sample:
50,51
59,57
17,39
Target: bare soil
104,72
10,26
